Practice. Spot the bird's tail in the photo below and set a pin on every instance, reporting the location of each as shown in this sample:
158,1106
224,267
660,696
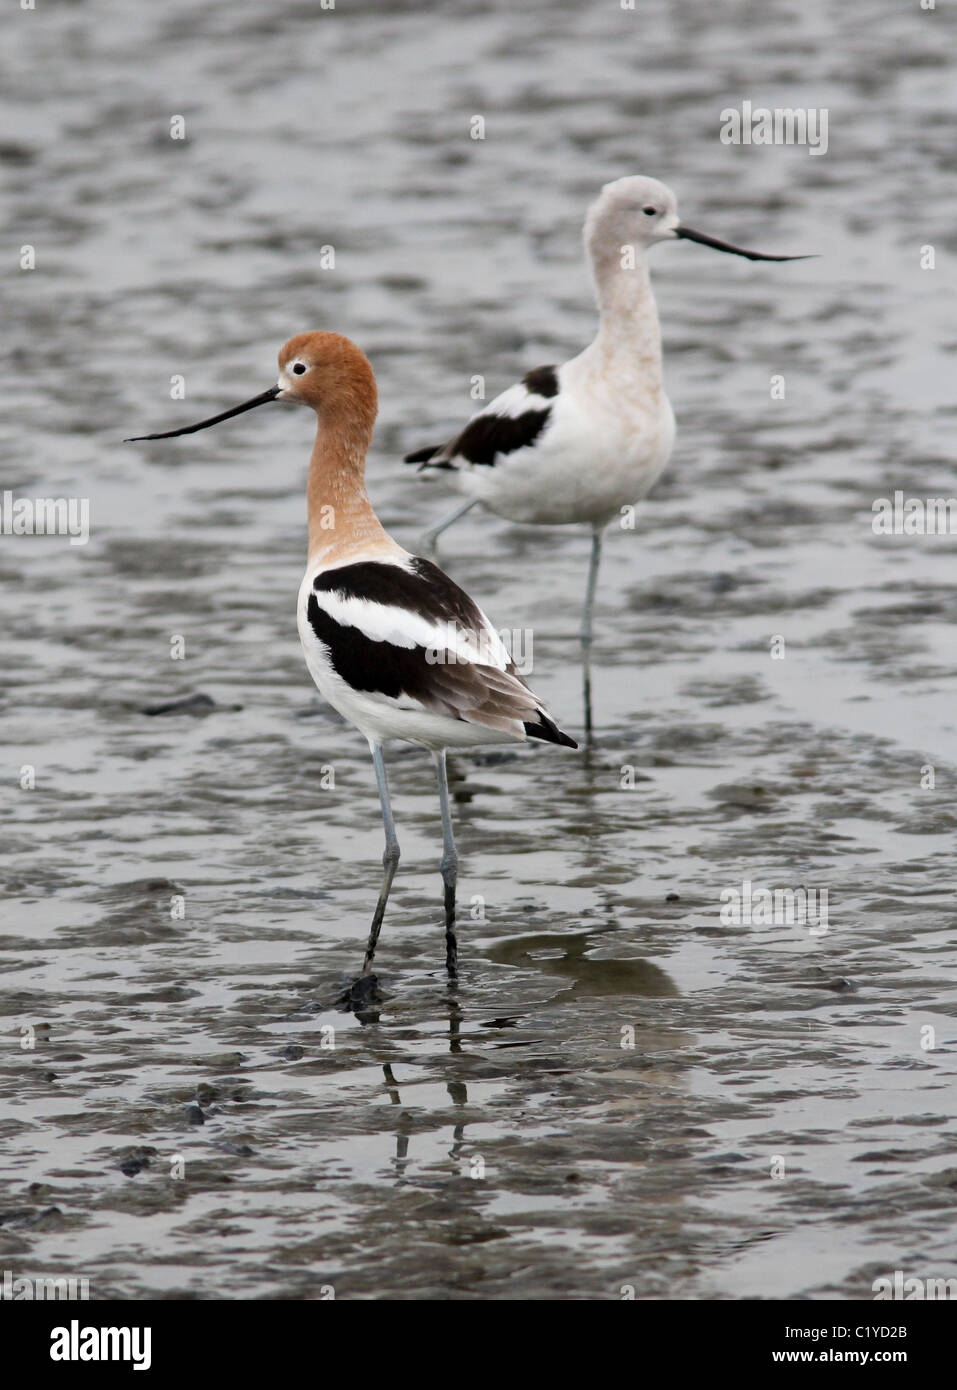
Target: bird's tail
548,731
430,457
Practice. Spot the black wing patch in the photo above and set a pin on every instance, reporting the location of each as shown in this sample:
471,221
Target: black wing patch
420,587
542,381
462,690
488,434
368,665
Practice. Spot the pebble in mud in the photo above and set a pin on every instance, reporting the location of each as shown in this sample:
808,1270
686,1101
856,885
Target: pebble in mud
187,704
135,1161
29,1217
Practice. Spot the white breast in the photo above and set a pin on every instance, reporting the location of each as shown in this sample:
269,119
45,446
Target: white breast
605,445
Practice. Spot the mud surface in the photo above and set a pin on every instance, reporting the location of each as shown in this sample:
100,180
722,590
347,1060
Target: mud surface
195,1117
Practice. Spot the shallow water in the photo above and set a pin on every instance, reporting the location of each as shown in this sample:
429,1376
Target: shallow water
501,1141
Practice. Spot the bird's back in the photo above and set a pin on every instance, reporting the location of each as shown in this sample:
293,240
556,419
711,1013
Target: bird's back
402,652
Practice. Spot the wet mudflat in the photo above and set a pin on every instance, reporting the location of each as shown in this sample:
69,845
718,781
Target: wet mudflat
624,1090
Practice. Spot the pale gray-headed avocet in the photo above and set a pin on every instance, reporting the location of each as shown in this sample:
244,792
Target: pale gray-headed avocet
578,443
392,643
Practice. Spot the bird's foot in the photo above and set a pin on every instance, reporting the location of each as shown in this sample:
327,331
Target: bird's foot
362,993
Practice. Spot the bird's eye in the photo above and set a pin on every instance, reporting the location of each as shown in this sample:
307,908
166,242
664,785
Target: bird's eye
649,211
298,369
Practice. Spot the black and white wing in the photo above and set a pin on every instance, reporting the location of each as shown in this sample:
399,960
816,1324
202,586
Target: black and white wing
405,637
514,420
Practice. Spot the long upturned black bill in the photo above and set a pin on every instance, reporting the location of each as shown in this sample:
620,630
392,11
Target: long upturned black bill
261,399
689,234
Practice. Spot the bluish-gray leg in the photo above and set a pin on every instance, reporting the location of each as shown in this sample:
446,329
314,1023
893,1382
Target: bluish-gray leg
431,536
389,859
586,632
449,865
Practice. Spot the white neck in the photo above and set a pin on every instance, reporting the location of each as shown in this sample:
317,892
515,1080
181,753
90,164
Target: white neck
628,329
